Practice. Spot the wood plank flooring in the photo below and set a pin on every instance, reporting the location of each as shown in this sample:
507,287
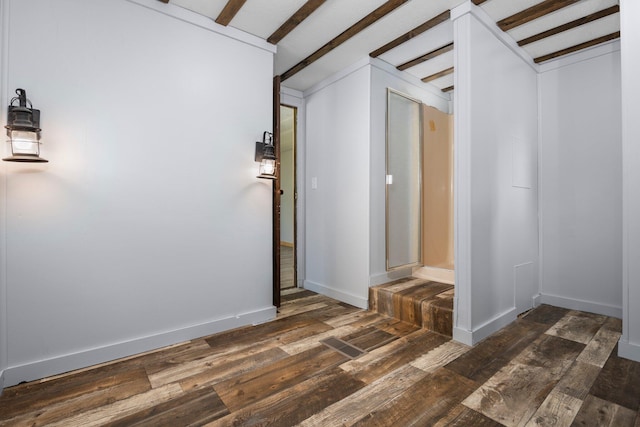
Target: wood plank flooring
552,367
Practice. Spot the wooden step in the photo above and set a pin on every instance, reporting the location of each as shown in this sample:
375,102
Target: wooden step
424,303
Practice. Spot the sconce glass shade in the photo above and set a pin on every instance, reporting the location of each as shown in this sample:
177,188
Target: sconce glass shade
23,130
265,154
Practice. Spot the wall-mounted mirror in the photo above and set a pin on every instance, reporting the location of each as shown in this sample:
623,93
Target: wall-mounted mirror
403,181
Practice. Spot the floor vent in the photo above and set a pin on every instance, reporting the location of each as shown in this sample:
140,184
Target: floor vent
343,347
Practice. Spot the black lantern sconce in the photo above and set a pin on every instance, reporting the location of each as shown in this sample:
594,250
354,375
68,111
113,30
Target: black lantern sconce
23,130
266,155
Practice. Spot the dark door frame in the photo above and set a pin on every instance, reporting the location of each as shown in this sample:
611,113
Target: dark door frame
276,193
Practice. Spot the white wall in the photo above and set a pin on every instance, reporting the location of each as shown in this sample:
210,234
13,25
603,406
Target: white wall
139,231
384,76
496,190
630,341
337,211
581,183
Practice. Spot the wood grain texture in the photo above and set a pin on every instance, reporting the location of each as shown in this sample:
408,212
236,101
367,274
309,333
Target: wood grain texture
577,327
427,56
570,25
443,17
290,24
410,376
534,12
229,11
577,47
558,409
602,413
437,75
386,8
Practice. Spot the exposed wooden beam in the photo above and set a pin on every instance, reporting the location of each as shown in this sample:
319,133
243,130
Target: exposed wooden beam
578,47
444,16
437,75
164,1
229,11
426,57
380,12
478,2
534,12
569,25
449,88
301,14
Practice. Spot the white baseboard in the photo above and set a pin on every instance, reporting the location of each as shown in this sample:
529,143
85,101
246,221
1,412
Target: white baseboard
629,350
1,382
484,330
57,365
389,276
537,300
337,294
581,305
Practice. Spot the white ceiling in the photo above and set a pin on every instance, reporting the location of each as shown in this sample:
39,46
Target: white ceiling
263,17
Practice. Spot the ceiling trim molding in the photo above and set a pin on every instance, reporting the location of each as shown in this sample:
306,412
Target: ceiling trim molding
296,19
386,8
443,17
489,24
205,23
581,56
578,47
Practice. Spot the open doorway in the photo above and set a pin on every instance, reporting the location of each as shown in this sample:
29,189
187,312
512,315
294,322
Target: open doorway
288,198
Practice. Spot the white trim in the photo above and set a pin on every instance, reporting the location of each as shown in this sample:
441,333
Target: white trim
629,350
345,72
537,300
337,294
581,56
462,176
490,24
295,98
389,276
483,331
4,98
581,305
408,78
68,362
205,23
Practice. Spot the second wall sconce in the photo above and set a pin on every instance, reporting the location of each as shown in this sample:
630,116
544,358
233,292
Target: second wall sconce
23,130
266,155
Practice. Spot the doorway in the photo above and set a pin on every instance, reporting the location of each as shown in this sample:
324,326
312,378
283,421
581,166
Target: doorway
288,198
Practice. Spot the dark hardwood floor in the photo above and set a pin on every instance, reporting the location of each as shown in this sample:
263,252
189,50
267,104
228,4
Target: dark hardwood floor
550,367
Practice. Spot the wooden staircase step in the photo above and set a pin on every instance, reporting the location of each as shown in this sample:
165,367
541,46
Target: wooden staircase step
423,303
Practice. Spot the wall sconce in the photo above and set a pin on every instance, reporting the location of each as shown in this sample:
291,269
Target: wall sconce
23,130
266,155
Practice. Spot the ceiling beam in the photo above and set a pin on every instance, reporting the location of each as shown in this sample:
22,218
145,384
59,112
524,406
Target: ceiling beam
534,12
578,47
229,11
426,57
569,25
444,16
371,18
449,88
164,1
437,75
301,14
477,3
